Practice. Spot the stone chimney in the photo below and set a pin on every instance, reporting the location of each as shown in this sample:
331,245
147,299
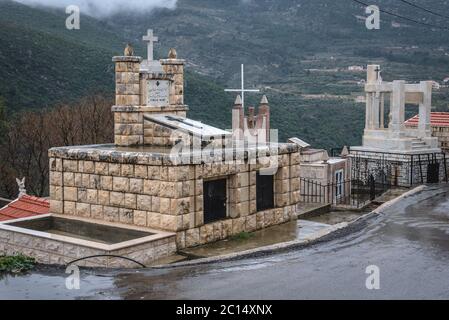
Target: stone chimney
127,82
175,67
128,125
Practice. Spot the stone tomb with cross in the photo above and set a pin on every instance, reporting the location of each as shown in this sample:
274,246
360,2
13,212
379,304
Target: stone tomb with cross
193,195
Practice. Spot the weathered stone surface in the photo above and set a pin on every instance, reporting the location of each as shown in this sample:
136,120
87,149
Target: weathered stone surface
69,207
242,208
56,206
56,193
126,215
155,204
140,218
88,167
130,200
135,185
144,202
94,181
69,179
141,171
192,237
180,206
83,209
152,187
238,225
169,222
127,170
55,164
154,220
120,184
115,169
165,205
96,212
117,199
102,168
70,194
206,233
103,197
70,165
111,214
106,182
260,223
154,172
56,178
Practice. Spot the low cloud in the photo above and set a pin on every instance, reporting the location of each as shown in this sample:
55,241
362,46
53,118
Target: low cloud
102,8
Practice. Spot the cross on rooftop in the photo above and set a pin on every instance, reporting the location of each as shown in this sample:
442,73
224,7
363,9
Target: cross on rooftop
151,39
242,89
378,73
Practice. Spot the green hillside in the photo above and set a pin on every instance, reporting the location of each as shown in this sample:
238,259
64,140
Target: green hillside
296,51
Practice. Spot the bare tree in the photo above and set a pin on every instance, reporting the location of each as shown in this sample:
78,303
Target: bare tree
29,135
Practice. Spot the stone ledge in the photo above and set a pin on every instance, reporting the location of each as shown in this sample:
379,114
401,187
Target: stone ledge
172,61
127,59
112,153
182,107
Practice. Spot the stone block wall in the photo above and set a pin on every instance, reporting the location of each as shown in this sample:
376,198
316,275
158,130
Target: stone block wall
153,196
175,67
48,251
127,85
403,172
169,197
130,129
442,133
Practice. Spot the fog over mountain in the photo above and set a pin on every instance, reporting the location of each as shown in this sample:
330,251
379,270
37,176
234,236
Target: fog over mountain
101,8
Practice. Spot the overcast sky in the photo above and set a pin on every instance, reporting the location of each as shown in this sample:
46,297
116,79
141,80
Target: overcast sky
101,8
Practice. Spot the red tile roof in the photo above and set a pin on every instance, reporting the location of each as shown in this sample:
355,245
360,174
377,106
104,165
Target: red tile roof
25,206
437,119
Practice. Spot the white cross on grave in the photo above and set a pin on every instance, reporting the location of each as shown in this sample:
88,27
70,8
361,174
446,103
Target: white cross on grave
151,39
242,90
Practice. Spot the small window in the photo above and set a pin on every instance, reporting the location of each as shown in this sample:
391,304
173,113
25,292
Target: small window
264,191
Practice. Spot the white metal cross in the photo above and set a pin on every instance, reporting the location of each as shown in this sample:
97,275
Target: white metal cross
242,89
150,38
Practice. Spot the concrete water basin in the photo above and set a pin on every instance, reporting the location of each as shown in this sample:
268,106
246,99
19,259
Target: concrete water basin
56,239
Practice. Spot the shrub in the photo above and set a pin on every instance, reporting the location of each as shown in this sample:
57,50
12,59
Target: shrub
16,264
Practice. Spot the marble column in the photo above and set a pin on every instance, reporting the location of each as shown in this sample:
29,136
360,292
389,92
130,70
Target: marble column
398,107
425,106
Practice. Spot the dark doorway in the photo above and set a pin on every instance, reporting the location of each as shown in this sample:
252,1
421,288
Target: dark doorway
264,192
433,173
214,200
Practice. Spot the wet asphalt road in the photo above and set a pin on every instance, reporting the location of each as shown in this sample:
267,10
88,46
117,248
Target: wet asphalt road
409,243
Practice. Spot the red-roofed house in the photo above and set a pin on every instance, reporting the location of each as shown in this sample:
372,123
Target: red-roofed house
24,206
440,127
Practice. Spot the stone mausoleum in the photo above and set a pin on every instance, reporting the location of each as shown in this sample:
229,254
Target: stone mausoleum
168,174
392,152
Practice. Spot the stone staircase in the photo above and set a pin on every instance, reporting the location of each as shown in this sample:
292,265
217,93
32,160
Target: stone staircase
418,144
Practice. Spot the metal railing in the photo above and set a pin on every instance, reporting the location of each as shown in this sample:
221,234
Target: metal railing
354,193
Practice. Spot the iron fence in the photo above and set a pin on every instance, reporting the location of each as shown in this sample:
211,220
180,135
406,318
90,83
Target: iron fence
354,193
406,170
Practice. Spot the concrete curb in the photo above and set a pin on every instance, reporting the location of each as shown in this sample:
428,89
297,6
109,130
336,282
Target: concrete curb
314,238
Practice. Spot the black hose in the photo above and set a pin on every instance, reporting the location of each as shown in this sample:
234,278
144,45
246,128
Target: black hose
107,255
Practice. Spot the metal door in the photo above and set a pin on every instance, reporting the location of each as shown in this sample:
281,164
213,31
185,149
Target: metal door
214,200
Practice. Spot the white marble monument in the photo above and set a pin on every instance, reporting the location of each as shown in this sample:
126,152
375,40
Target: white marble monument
390,135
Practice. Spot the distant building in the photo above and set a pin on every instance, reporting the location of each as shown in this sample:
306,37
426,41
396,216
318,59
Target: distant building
355,68
439,122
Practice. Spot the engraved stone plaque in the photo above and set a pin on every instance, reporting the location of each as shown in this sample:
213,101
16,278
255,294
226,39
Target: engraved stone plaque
158,93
